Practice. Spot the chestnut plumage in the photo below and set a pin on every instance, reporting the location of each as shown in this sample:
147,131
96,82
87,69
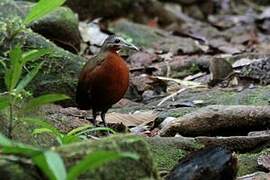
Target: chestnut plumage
104,78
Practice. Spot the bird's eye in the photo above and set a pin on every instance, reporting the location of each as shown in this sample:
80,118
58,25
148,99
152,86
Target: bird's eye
117,41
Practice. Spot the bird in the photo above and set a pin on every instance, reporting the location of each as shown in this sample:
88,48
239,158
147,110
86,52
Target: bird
104,79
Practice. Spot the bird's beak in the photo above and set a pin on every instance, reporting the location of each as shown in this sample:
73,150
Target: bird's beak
130,46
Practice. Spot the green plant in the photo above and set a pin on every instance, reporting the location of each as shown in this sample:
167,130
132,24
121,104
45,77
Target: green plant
15,83
74,135
15,103
51,163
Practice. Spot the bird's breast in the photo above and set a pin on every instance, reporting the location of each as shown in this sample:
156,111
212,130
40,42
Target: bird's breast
111,80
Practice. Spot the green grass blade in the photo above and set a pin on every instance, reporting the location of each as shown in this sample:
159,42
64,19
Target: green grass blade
42,130
79,129
42,124
42,8
28,78
51,164
44,99
95,160
8,146
96,129
14,72
34,55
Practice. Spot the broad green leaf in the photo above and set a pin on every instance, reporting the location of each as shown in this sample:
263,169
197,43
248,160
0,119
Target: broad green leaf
44,99
95,160
4,102
34,55
51,164
42,124
14,72
96,129
42,8
28,78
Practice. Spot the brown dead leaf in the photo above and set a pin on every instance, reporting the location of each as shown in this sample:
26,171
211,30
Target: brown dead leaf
131,119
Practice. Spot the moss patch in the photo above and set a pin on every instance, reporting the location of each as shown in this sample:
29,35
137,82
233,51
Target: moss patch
248,162
168,151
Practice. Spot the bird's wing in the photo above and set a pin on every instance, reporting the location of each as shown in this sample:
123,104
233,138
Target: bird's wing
83,93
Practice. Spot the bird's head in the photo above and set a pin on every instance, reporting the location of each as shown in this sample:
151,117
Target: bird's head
116,43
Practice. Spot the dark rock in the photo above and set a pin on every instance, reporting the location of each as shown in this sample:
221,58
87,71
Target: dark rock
215,163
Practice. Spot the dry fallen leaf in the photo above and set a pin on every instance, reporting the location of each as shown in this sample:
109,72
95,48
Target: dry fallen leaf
130,119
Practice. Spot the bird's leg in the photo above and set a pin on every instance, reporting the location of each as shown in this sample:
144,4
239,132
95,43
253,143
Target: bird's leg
94,121
102,115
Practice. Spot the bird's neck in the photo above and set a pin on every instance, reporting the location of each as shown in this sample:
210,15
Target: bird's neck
101,56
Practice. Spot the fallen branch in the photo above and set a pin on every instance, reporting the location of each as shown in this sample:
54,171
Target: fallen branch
220,120
241,144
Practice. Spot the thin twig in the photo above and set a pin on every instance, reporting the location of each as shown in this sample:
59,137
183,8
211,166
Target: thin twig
171,96
187,85
181,82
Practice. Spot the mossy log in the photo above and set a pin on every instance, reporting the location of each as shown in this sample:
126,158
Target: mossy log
168,150
220,120
121,169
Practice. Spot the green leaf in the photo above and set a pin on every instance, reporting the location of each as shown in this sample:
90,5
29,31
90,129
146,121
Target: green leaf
44,99
79,129
4,102
51,164
42,8
34,55
42,130
96,129
8,146
28,78
42,124
20,149
95,160
58,135
14,72
68,139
